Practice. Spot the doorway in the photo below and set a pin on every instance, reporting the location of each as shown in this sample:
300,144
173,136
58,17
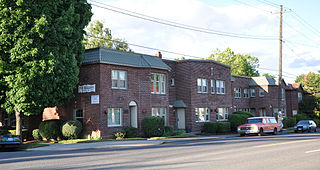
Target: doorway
133,114
181,120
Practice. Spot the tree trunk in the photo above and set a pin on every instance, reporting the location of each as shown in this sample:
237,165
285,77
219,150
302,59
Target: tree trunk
18,125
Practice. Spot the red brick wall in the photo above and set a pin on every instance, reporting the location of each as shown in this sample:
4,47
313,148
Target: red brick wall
243,83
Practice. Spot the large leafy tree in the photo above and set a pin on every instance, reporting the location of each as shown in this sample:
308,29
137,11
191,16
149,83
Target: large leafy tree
98,36
241,64
40,53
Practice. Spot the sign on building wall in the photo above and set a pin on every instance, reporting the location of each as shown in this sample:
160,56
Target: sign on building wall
87,88
95,99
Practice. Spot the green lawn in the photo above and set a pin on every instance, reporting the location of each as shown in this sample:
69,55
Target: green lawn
34,145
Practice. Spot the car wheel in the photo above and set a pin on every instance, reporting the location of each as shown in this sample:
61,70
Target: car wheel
295,131
309,130
260,132
275,131
315,129
242,134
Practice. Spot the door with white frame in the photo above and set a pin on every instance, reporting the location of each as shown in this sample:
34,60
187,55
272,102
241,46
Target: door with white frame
181,120
133,114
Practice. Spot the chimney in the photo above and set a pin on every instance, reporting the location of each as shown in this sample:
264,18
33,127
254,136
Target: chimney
158,54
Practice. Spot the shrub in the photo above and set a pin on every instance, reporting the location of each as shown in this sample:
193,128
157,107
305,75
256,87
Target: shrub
301,116
153,126
24,133
36,135
223,127
178,132
71,129
131,132
236,120
289,122
210,127
317,121
50,129
168,131
120,134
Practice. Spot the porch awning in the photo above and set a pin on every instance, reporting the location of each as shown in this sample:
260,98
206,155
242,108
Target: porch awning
179,104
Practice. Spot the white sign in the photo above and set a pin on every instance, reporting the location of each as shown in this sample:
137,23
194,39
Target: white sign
87,88
95,99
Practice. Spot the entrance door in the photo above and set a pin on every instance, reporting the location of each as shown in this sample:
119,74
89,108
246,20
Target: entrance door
133,114
181,121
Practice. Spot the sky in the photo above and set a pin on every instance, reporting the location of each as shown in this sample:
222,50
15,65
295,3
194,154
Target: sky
255,21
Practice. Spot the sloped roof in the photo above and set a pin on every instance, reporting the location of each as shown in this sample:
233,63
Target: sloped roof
179,104
259,81
296,85
115,57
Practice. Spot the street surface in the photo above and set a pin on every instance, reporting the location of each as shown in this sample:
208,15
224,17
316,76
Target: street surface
288,151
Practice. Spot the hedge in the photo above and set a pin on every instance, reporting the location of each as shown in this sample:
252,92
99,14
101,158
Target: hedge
36,135
50,129
301,116
131,132
289,122
238,118
153,126
71,129
223,127
216,127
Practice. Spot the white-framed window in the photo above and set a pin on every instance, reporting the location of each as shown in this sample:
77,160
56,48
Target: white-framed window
78,115
222,114
202,114
114,117
172,82
202,85
160,112
220,87
299,97
237,92
253,92
283,94
262,112
246,93
213,86
119,79
246,109
158,83
261,92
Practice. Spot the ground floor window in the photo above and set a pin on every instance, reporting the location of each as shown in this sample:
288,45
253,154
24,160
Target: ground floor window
160,112
202,114
222,114
262,112
114,117
78,115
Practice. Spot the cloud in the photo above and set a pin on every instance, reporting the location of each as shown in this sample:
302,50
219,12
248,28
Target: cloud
299,63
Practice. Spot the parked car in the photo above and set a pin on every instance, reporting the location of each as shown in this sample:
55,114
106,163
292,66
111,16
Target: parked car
259,125
305,125
8,140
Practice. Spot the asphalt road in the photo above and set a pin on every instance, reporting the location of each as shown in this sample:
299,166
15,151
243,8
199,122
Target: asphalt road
289,151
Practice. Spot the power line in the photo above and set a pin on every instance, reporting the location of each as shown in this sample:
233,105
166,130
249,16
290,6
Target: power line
304,23
269,3
179,25
252,6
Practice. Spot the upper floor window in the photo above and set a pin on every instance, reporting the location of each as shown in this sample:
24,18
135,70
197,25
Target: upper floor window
119,79
158,83
261,92
253,92
114,117
160,112
299,97
237,92
213,87
202,114
246,93
78,115
202,85
222,114
220,87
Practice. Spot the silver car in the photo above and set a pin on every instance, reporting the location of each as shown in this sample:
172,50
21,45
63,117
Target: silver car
305,125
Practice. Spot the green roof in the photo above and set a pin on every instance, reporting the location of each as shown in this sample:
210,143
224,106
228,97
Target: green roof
122,58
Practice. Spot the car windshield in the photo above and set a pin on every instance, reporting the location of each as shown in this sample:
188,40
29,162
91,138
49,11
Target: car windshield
254,120
303,122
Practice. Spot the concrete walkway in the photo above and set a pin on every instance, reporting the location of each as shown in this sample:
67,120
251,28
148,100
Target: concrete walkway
133,143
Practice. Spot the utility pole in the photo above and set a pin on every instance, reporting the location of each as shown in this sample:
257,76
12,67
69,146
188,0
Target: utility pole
280,64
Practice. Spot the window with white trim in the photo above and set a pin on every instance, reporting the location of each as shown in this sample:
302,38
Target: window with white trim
261,92
262,112
78,115
213,86
158,83
299,97
114,117
253,92
246,93
237,92
119,79
202,85
202,114
222,114
160,112
220,87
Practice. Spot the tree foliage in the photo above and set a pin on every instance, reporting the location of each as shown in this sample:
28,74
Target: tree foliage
241,64
310,82
98,36
269,75
40,50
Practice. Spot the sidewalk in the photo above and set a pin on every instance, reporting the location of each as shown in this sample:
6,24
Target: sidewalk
133,143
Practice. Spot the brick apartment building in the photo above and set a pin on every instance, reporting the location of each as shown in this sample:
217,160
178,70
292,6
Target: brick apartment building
118,89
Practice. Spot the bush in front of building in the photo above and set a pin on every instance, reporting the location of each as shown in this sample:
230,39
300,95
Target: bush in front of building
131,132
51,129
153,126
289,122
301,116
317,121
223,127
210,127
238,118
71,129
36,135
120,134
